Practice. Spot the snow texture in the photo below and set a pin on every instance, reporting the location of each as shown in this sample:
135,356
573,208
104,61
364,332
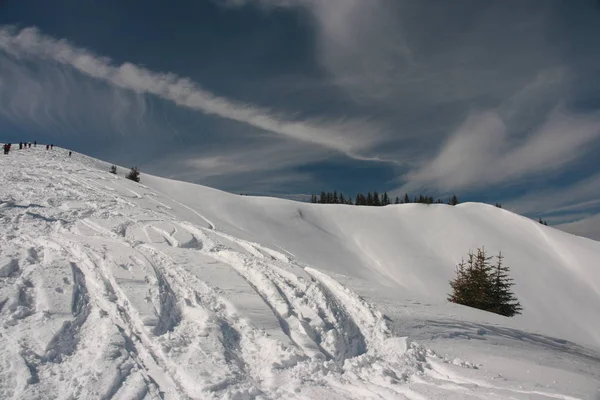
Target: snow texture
111,289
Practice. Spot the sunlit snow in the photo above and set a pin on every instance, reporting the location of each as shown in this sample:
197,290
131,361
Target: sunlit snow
111,289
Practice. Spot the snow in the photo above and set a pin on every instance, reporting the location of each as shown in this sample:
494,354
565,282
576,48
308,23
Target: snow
112,289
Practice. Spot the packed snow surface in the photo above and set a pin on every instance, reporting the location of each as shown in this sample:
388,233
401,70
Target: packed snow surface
111,289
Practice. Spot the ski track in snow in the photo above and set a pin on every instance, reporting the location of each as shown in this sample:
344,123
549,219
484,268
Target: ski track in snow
106,294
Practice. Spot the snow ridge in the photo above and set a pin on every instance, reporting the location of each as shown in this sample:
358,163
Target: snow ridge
108,292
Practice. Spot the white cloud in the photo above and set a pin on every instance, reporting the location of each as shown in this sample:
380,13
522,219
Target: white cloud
588,227
50,99
482,152
353,137
359,42
264,165
581,195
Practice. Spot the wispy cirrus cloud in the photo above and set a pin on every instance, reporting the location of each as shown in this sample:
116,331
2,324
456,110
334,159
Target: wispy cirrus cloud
482,152
580,195
574,208
52,100
360,43
346,135
588,227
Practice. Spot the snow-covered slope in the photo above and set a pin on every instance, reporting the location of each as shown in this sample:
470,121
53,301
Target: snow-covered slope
113,289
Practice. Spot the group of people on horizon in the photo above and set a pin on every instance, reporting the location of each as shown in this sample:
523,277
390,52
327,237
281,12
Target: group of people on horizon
26,145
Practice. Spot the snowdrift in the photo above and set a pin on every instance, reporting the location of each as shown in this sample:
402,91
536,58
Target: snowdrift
164,289
413,249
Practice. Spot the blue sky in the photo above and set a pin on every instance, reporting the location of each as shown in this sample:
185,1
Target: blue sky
496,101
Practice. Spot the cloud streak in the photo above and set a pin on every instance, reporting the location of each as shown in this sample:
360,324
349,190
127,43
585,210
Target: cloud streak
53,101
358,42
581,195
353,137
481,152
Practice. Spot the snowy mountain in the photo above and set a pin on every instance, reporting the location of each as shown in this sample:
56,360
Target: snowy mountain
112,289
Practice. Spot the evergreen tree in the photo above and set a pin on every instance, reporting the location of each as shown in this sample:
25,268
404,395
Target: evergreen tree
481,280
323,199
342,199
453,200
334,198
397,200
369,199
498,205
133,174
386,199
461,293
481,285
376,200
113,169
503,301
313,199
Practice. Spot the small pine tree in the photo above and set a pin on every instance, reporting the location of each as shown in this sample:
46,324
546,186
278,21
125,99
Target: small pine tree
376,200
397,200
481,285
385,200
133,174
503,301
113,169
453,200
406,198
461,293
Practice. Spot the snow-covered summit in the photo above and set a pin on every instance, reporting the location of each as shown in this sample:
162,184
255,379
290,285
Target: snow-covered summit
164,289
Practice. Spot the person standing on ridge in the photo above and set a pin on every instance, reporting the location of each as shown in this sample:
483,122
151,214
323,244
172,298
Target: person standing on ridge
47,147
69,153
51,147
35,143
20,145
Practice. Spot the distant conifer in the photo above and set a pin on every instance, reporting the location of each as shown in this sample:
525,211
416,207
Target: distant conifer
385,199
133,174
